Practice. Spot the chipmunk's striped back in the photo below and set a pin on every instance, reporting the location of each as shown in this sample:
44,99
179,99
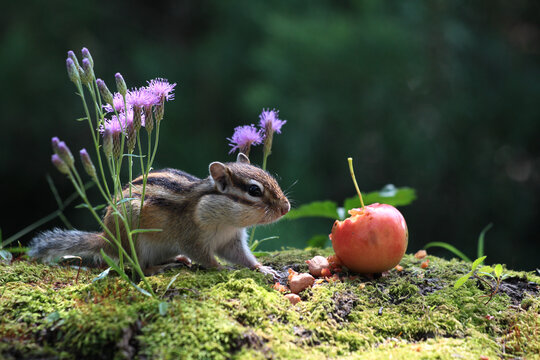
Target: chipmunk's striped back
198,217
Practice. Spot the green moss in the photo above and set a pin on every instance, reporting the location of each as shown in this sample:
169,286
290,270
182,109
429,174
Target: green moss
415,313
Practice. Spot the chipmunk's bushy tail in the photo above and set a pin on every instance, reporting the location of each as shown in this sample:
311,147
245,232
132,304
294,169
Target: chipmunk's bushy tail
56,243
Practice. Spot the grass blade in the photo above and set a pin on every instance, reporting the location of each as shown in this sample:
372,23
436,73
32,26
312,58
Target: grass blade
480,251
170,283
448,247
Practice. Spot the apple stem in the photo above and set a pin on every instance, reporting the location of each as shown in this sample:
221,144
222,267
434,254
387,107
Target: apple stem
355,183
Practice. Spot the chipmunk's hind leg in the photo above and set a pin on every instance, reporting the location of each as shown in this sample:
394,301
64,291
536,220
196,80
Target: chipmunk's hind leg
176,262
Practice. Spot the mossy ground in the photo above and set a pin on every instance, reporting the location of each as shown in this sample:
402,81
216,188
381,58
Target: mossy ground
415,313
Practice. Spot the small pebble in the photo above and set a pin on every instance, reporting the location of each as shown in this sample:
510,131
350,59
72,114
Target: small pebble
293,298
299,282
317,265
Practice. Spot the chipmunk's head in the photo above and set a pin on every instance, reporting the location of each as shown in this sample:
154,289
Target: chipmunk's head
253,195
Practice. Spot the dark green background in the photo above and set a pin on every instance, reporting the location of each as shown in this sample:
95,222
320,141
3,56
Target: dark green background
442,96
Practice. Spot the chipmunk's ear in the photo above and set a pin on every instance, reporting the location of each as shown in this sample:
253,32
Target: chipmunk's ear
220,174
242,158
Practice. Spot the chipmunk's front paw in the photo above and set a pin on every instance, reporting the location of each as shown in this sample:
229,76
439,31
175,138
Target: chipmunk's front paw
267,270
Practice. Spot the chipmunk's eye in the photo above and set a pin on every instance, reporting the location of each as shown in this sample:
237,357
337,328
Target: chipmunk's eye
254,190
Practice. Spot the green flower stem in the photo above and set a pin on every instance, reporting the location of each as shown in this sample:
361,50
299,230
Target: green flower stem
79,180
144,175
155,146
133,260
114,168
99,121
252,232
94,138
149,163
98,95
265,156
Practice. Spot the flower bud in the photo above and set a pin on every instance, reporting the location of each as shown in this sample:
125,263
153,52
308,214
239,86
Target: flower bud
88,72
60,164
131,136
117,146
120,84
269,136
72,56
107,142
148,119
65,154
72,71
86,55
55,141
87,163
105,92
159,109
137,121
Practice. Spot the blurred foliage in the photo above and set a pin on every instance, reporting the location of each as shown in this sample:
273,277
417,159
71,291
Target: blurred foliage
439,96
329,209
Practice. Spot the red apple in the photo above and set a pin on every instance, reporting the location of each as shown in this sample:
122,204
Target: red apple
372,240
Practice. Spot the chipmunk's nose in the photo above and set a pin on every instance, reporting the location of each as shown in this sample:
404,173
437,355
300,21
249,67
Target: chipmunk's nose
285,207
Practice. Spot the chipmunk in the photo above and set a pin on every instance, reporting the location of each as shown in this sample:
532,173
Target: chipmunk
199,218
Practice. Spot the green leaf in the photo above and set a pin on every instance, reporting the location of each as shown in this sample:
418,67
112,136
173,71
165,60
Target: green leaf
387,195
170,283
137,231
498,270
122,273
163,307
486,269
134,155
319,241
52,317
141,290
115,266
480,251
260,253
103,275
325,209
84,206
124,200
81,119
477,262
258,242
448,247
459,282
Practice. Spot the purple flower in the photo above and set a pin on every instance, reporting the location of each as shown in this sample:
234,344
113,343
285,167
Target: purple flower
111,130
118,102
142,97
162,88
269,120
244,137
114,125
118,123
